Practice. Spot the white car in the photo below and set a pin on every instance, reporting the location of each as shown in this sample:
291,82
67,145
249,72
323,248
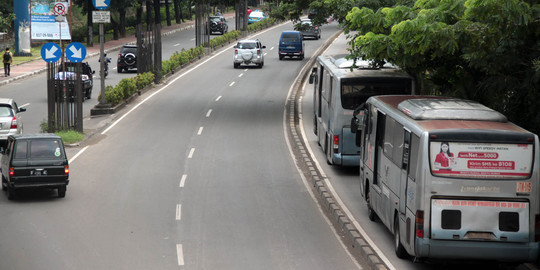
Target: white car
10,119
248,52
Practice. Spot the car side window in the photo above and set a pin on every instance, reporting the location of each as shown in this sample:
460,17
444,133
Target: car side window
21,149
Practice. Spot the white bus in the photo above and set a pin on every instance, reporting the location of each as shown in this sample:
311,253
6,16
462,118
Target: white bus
338,90
451,178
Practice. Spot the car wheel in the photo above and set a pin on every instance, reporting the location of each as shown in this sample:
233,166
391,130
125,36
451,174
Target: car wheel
10,192
119,70
262,64
130,59
236,65
62,192
89,94
4,183
302,56
280,57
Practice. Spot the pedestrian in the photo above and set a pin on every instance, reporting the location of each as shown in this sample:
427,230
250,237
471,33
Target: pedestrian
8,59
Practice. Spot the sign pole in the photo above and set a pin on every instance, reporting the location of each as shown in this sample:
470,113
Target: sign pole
102,100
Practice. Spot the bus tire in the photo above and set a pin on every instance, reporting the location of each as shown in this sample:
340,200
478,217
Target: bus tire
371,213
398,247
328,152
315,124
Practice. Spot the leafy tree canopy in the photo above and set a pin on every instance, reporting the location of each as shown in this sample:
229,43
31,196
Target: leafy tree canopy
485,50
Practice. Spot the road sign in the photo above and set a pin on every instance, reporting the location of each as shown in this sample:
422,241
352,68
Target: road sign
101,16
60,8
50,52
75,52
101,4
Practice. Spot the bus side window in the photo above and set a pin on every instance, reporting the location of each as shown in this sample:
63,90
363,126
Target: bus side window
413,157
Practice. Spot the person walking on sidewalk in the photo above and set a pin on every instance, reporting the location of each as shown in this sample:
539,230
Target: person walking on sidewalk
8,59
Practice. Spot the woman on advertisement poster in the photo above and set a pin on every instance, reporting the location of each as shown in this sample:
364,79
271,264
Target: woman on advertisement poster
445,159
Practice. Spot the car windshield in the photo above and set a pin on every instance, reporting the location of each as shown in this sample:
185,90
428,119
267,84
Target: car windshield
246,46
290,37
215,19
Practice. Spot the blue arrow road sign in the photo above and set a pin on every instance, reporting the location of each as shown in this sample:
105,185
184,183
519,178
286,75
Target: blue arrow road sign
50,52
75,52
101,4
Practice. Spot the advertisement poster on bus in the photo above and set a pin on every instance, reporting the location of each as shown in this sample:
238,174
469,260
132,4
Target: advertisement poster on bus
44,16
481,160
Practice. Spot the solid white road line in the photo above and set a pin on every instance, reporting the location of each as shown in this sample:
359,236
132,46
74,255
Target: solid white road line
180,254
183,180
191,152
78,154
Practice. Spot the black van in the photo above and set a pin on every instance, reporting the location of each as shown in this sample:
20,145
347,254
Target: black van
34,161
291,44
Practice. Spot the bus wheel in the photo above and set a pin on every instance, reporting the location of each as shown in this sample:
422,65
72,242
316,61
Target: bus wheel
315,125
400,250
371,213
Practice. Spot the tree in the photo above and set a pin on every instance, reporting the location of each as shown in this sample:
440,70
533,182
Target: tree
484,50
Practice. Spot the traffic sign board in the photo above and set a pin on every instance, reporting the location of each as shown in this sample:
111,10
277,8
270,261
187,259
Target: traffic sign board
75,52
101,4
101,16
50,52
60,8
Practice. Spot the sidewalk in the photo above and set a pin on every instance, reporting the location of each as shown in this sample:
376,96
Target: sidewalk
36,66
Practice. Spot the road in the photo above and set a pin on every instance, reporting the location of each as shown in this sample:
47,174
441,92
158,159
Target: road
197,175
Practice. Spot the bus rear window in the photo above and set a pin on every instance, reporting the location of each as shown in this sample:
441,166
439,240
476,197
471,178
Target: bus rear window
356,91
481,160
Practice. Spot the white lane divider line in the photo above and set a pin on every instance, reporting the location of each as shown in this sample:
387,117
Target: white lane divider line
180,254
218,98
177,44
241,74
200,131
272,48
208,113
178,212
231,84
78,154
191,152
183,180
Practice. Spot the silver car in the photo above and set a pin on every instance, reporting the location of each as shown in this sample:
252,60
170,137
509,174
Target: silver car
10,121
248,52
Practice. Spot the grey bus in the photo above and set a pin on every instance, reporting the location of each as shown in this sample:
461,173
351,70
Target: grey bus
338,90
450,178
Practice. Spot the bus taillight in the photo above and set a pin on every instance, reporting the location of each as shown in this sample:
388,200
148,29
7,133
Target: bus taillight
336,144
537,228
419,224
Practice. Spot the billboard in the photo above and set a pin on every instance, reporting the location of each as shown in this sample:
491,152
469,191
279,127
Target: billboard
481,160
44,18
